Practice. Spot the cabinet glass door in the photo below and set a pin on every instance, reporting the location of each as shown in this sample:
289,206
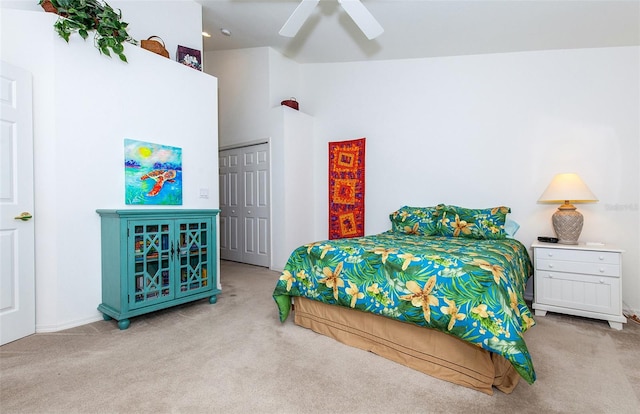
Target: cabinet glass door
194,238
151,244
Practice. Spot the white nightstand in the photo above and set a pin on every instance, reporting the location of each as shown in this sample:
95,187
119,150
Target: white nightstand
582,280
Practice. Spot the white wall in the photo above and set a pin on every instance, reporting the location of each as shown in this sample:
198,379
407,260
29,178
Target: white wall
85,105
488,130
243,95
292,191
252,81
284,80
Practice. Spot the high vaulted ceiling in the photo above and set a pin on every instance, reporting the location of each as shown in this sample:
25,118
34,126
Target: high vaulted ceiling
423,28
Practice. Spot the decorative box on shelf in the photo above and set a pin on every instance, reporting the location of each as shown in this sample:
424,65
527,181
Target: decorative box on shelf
581,280
189,57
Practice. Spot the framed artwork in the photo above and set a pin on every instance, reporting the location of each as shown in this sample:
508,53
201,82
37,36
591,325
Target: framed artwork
189,57
153,173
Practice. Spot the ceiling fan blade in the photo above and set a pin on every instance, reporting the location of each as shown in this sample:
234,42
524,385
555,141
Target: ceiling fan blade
298,17
362,17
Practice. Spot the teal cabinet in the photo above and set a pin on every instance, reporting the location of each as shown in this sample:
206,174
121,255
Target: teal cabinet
154,259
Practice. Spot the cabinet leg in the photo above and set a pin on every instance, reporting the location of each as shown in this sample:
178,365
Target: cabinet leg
106,317
213,299
123,324
615,325
540,312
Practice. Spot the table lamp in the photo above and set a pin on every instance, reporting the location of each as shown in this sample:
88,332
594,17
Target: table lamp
567,221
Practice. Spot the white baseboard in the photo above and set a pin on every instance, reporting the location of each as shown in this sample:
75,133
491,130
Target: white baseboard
67,325
628,311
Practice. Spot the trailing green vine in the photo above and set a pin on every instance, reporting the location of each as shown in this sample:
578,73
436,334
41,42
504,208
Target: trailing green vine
85,16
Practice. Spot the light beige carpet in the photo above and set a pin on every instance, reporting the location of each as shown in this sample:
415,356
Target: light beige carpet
236,357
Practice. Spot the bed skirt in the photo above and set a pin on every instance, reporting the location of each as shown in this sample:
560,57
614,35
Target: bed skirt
426,350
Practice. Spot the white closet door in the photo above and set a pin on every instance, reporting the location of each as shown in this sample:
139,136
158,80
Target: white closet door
245,206
256,205
229,208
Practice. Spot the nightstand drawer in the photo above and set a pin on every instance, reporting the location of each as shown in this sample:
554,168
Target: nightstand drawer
579,255
582,292
588,268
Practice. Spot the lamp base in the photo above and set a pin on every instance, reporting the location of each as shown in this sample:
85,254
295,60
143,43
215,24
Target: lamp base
567,223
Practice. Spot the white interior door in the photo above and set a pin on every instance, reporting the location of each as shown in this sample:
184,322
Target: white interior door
17,277
244,205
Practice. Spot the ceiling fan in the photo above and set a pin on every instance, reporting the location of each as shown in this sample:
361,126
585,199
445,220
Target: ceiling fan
354,8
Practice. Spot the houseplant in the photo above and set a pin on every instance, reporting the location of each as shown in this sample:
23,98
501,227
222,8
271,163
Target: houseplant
84,16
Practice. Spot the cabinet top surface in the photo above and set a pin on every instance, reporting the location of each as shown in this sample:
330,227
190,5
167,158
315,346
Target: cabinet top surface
156,212
580,246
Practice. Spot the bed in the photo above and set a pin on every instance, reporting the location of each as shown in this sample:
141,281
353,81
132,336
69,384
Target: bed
441,292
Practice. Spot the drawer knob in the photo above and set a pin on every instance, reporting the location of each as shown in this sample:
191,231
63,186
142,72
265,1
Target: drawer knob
550,265
601,270
601,281
601,257
550,254
550,275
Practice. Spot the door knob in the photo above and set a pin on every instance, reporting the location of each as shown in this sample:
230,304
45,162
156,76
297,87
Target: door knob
24,216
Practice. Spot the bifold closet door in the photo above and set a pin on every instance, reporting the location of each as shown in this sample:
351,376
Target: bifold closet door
229,164
245,205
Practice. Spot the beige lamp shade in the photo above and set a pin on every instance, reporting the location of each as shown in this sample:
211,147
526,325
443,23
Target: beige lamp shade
567,187
567,222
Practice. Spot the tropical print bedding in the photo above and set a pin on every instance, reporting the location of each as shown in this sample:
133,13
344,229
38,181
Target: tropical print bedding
472,289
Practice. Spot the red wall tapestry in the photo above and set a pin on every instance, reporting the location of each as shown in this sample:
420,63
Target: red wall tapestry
346,189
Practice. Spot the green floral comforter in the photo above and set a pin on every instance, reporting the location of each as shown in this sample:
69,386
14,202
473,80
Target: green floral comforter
472,289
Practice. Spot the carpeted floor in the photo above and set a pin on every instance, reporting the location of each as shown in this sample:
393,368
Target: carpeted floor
236,357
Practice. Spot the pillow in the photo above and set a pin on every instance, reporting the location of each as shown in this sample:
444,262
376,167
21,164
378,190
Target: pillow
511,227
485,223
422,221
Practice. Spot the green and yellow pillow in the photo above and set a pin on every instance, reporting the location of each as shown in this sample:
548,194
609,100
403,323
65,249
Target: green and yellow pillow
421,221
487,223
